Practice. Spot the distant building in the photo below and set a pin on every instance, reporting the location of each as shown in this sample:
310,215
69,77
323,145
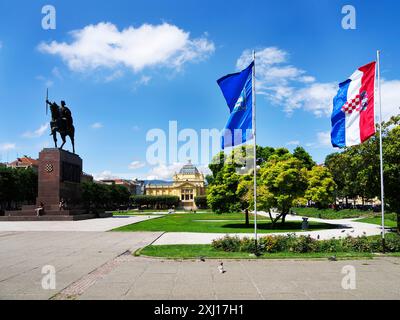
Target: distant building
85,177
25,162
139,186
121,182
187,184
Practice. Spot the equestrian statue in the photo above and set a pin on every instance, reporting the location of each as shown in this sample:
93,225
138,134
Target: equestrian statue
61,122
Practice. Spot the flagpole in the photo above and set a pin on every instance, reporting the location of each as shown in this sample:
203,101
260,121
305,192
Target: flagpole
254,145
378,56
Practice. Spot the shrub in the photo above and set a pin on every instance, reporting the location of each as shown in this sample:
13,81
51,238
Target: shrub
227,243
269,244
359,244
331,245
392,244
249,245
306,244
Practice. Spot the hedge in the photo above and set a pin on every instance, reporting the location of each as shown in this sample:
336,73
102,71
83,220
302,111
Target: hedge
306,244
155,202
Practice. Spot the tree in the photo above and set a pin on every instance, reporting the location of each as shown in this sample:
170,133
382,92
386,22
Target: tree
301,154
201,202
391,152
17,186
221,196
321,187
285,179
344,174
356,170
216,165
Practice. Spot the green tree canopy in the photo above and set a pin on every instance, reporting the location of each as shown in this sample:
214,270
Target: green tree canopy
321,187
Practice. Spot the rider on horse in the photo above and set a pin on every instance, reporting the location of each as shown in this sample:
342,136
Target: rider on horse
61,122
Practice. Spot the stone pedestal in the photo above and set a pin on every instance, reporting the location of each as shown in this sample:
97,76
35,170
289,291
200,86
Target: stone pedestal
60,174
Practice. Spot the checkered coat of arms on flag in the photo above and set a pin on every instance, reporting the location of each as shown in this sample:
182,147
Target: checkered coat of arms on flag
353,115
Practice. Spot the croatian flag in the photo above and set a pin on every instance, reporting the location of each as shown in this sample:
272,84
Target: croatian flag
353,116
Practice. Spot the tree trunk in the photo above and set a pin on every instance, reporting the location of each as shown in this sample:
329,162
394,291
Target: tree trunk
283,219
272,219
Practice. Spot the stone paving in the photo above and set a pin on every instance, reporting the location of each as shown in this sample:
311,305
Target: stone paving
73,254
96,265
93,264
101,224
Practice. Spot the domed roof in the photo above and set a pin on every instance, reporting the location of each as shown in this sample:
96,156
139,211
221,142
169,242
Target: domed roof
189,168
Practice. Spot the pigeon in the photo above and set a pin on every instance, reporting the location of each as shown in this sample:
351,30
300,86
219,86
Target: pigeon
318,237
332,258
221,268
343,230
352,231
202,259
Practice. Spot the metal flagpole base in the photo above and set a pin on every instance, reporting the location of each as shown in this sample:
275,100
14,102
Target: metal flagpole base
383,245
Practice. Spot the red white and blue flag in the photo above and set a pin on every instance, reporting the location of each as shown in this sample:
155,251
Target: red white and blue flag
353,116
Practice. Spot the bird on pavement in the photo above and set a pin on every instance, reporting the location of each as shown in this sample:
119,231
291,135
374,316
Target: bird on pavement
221,268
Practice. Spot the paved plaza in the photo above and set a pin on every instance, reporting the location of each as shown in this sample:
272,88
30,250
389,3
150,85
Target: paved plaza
99,265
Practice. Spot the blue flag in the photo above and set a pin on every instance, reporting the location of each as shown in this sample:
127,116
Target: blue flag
237,90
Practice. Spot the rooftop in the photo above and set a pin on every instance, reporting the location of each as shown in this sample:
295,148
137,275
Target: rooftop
189,168
25,161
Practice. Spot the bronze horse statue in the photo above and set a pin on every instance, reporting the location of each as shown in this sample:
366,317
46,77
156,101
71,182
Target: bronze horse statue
61,122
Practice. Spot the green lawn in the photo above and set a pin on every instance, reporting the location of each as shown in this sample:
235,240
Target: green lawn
206,251
332,214
230,223
149,211
389,223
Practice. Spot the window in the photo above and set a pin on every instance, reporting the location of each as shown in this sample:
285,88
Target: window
187,194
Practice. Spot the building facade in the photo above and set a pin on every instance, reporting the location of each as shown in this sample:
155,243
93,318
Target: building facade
25,162
187,184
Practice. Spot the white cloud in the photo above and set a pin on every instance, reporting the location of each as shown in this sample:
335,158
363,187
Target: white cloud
390,98
316,98
97,125
143,81
37,133
104,46
7,146
293,143
47,82
56,73
290,87
324,139
164,171
104,175
113,76
136,165
287,85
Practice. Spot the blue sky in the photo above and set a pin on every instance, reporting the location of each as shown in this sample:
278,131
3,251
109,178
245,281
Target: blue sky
164,68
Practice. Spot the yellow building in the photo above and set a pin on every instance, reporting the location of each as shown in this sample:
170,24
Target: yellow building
187,184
